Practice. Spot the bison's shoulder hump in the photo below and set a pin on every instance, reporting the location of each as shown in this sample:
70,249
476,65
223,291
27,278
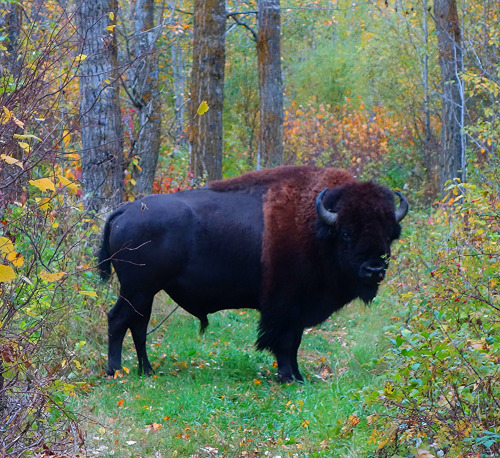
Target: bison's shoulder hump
297,175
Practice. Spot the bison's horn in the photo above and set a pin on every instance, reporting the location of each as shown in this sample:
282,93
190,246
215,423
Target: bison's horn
325,215
403,207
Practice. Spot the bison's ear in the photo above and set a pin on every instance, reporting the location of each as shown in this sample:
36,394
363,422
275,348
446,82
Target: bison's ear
325,206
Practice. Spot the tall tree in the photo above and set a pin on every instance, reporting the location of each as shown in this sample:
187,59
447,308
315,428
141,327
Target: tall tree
179,84
101,128
270,84
207,84
146,94
451,62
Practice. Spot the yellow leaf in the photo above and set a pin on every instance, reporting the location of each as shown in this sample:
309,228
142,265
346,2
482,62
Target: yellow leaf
26,137
88,293
25,146
43,184
16,259
7,115
67,183
111,27
203,108
11,160
19,261
6,246
44,204
6,274
125,369
111,15
66,137
388,390
52,277
80,58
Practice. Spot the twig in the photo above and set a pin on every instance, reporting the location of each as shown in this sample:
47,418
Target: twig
163,321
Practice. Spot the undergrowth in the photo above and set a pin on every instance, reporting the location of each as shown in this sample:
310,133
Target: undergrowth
215,395
444,397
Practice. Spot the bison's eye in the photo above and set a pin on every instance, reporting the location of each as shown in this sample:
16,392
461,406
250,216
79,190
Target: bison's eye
346,236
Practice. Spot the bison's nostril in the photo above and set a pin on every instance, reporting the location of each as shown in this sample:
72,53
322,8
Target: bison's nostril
373,271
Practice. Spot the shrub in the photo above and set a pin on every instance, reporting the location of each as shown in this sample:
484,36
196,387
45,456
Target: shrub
445,395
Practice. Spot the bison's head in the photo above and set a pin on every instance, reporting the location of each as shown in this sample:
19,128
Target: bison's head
358,222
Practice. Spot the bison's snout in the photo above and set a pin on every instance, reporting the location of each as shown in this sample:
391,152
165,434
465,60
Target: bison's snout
373,271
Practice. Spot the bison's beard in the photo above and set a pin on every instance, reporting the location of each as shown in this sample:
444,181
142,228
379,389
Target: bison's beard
367,292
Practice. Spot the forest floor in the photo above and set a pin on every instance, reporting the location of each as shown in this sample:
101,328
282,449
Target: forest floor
214,395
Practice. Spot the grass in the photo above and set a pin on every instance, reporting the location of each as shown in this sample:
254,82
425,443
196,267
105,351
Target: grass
215,396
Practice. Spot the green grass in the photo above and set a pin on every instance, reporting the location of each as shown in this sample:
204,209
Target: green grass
215,395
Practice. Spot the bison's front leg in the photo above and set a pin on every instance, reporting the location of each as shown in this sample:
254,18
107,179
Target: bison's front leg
283,341
286,356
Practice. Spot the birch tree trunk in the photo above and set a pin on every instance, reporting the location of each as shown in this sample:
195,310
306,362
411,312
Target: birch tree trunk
147,96
102,137
431,157
207,84
270,84
179,88
451,62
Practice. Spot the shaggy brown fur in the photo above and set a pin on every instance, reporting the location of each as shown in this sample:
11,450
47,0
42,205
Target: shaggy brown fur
290,193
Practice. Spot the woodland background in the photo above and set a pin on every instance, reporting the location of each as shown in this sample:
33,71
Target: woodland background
102,101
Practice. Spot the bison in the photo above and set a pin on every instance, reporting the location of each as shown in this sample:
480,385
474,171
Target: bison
294,242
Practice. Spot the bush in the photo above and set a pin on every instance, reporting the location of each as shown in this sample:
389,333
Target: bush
445,396
44,233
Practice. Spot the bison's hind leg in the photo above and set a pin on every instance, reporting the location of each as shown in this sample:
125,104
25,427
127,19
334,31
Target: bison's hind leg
131,311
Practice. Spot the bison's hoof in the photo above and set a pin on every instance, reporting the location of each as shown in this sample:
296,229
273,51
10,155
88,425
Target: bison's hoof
289,378
111,372
285,378
299,378
147,372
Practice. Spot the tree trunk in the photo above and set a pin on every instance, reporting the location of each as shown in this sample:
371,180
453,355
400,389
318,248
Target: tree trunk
431,157
451,61
207,84
147,96
102,134
179,83
270,85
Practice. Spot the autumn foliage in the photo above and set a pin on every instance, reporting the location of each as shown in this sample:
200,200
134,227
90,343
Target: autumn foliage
358,81
361,140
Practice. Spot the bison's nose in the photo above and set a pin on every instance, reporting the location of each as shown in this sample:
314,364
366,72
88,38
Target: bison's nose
373,271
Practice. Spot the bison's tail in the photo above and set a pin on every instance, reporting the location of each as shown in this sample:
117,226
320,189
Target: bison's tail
104,256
